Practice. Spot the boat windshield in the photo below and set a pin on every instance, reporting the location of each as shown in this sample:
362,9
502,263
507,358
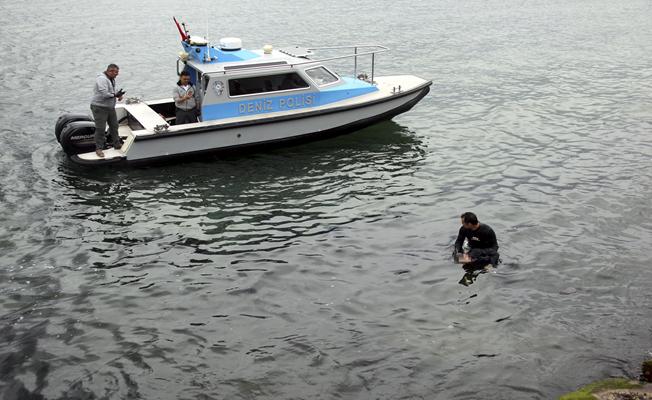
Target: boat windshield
321,76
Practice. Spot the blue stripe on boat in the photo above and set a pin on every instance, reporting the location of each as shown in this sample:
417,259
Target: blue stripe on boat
349,89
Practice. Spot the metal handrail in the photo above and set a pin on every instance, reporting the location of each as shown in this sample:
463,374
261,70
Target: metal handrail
349,46
355,55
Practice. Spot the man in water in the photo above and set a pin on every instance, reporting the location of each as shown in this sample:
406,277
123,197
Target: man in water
103,108
482,242
186,99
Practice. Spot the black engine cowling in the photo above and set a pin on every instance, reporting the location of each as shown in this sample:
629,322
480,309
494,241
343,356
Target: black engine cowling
78,137
65,119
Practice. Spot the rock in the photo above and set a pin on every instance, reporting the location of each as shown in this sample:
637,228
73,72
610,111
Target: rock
646,371
631,394
617,388
606,387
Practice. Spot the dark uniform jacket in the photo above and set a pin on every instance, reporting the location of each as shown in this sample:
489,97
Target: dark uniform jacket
481,238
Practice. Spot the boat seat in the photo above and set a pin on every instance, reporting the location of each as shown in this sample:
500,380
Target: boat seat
144,114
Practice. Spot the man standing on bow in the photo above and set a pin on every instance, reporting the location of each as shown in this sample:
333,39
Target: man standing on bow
103,108
481,241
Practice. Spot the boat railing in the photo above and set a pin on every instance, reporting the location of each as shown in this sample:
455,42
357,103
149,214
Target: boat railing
376,49
367,49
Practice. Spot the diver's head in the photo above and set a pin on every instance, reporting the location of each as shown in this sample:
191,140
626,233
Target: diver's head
470,221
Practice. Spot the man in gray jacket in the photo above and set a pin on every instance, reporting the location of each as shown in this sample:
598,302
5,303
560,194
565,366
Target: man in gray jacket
103,108
187,100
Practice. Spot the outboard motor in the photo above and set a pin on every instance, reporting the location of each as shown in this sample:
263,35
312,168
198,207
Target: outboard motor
76,133
65,119
78,137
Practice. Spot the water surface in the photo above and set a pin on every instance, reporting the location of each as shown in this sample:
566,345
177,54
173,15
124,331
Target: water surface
322,270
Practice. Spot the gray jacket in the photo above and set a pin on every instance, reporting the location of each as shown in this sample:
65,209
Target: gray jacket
104,91
191,103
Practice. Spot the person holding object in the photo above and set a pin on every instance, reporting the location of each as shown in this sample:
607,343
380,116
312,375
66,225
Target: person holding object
187,100
103,108
481,240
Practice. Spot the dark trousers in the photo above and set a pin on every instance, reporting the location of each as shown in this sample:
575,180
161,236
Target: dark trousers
186,116
102,116
482,257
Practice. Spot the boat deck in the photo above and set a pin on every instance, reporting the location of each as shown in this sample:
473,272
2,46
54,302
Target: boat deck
144,114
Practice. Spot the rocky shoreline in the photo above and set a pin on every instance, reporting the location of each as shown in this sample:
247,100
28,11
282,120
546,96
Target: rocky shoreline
617,388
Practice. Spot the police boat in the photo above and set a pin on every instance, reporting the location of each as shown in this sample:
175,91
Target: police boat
249,98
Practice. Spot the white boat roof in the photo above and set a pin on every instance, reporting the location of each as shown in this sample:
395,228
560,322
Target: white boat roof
278,57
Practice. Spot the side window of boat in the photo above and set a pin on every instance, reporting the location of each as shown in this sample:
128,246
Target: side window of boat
204,83
265,84
321,76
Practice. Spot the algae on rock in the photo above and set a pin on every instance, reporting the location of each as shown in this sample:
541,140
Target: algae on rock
586,392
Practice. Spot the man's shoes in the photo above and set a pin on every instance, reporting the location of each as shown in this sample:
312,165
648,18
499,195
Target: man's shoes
99,153
118,145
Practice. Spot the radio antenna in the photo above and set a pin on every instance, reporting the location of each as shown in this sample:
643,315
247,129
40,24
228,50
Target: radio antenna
208,43
206,18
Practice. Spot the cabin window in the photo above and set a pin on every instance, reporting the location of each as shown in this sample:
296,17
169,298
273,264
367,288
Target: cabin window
321,76
204,83
265,84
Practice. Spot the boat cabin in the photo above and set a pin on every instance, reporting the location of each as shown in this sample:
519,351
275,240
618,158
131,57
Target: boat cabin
234,82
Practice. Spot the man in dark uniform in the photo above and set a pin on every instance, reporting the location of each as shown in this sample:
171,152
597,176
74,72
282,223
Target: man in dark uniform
481,240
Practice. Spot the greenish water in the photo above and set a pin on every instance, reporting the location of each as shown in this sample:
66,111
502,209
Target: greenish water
323,270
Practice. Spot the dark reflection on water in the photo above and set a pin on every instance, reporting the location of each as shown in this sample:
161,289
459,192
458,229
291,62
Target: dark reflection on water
258,202
323,270
471,274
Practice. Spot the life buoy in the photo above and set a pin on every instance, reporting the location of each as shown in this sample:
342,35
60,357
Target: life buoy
65,119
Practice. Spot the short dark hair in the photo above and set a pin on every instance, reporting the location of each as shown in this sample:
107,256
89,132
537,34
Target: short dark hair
184,73
469,218
112,66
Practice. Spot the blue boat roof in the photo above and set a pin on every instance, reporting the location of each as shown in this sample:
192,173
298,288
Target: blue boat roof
209,59
209,54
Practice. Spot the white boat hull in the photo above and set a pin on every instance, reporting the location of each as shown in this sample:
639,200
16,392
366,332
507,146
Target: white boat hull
210,136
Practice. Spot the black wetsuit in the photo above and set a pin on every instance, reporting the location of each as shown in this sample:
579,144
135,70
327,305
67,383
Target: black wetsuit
483,244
